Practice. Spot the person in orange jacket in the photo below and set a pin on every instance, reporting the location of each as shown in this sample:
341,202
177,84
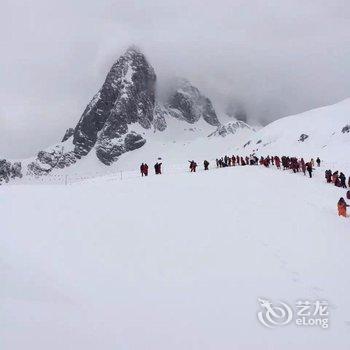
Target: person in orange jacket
342,205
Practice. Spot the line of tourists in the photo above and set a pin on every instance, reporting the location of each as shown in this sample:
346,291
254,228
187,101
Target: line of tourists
285,162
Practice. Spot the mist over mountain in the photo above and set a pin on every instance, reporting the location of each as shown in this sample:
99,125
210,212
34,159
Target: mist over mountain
276,58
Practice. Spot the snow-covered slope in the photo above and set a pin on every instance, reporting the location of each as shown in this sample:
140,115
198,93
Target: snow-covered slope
323,132
176,261
177,144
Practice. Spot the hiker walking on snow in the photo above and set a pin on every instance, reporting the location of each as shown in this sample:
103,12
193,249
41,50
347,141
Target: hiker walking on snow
142,169
342,205
342,179
318,161
309,169
278,162
206,165
158,168
193,166
234,162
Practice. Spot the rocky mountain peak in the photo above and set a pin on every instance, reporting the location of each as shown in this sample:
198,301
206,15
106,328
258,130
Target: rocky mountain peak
189,104
110,124
127,96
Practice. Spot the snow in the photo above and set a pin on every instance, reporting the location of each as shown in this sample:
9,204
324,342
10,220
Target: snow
176,261
179,261
322,125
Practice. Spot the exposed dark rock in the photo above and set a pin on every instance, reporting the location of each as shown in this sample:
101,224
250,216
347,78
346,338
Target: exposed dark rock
16,170
230,128
46,161
69,133
159,121
127,96
303,137
5,171
345,129
9,171
187,103
133,141
247,144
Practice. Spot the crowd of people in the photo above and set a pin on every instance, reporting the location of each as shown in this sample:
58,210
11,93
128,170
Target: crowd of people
144,169
338,179
286,163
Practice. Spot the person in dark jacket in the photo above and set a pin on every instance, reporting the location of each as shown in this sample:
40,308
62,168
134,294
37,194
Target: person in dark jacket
348,194
193,166
206,165
309,169
342,179
158,168
328,175
142,169
318,161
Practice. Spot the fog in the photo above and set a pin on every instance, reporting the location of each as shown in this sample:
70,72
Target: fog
273,57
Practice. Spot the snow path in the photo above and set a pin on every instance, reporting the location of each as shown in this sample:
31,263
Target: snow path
174,261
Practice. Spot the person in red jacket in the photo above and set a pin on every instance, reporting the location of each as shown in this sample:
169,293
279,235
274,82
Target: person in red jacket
145,168
342,207
278,162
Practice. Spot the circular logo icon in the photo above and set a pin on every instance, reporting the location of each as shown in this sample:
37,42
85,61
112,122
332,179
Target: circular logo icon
274,315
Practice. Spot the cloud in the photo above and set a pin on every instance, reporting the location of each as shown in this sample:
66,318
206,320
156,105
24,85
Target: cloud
274,57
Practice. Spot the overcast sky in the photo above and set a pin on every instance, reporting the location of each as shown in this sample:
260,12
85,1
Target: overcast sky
276,57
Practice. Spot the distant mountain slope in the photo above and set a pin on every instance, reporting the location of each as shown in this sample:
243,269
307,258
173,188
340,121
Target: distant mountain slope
323,132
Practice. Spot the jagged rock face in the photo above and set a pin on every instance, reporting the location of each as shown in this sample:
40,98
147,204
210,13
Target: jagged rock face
159,121
127,96
9,171
69,133
48,160
188,104
230,128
